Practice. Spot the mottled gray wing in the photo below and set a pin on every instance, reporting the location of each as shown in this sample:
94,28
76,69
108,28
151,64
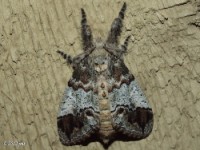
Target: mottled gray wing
131,113
77,116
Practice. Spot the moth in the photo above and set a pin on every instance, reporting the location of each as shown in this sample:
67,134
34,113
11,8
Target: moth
103,101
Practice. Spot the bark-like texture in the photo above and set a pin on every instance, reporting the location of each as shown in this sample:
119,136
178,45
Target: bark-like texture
164,55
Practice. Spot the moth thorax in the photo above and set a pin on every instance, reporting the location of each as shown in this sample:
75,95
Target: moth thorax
100,63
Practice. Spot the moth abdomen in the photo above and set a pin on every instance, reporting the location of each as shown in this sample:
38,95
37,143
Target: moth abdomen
106,129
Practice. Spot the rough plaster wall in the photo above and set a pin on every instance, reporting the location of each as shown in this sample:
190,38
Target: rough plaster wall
164,55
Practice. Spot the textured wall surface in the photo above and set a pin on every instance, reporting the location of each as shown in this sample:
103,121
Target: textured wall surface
164,56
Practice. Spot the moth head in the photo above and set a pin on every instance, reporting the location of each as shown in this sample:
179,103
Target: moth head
99,57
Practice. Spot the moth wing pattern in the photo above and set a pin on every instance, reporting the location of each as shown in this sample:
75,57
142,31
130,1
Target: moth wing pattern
103,101
76,119
133,115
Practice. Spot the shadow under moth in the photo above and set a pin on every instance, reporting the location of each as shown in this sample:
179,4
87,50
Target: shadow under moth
103,101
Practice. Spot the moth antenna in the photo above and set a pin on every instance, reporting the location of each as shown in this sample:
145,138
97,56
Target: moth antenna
125,45
116,26
68,58
86,32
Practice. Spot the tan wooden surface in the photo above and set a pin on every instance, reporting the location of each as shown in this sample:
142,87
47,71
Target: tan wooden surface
164,56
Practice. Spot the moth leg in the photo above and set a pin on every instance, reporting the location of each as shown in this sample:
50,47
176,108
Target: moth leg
68,58
76,60
116,27
125,45
86,32
118,52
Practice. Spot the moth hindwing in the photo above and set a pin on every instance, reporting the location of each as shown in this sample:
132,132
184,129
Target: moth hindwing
103,102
